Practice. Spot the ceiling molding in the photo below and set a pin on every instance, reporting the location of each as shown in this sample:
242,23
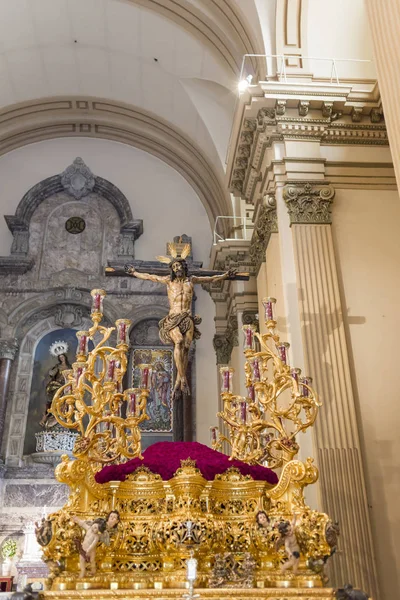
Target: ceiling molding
44,119
229,48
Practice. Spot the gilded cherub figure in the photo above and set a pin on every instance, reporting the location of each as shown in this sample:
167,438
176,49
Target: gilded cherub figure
43,531
292,548
87,547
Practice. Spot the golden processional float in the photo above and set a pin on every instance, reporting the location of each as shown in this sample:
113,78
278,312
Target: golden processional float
233,532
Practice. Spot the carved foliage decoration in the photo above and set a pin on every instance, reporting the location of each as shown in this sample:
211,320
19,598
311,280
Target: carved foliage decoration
243,153
225,342
266,224
77,179
9,348
309,202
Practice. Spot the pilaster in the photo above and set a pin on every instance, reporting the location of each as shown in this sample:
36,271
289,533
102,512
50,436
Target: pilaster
8,352
296,143
336,435
384,21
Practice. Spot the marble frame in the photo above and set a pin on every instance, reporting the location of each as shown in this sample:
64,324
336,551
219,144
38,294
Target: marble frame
21,386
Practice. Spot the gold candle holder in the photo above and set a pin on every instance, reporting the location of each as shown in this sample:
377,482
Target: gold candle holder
122,326
226,379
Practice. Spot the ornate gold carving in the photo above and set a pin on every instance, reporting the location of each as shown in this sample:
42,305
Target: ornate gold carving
91,399
264,428
162,522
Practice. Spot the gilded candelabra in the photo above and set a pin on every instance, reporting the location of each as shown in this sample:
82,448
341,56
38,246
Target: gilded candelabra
161,522
263,427
92,400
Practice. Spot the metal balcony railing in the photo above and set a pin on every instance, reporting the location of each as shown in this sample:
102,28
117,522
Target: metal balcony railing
225,230
281,72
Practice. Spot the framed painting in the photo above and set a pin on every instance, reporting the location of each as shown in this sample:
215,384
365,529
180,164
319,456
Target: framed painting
159,403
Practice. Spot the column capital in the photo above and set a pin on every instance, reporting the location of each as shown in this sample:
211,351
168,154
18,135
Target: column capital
309,202
266,222
225,342
223,348
9,348
250,317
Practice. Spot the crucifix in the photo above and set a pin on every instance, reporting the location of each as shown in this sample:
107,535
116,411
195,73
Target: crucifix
179,327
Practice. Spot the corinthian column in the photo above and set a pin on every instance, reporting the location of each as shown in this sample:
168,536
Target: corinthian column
8,351
342,482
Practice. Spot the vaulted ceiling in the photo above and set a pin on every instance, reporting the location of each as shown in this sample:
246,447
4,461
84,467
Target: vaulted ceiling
176,60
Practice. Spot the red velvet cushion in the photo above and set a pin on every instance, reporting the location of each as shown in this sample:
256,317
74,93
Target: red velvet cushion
165,458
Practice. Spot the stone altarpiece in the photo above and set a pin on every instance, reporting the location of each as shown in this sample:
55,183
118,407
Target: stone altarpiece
65,229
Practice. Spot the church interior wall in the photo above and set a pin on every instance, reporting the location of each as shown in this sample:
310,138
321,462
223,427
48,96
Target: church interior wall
193,88
365,226
157,193
207,391
168,207
274,282
344,34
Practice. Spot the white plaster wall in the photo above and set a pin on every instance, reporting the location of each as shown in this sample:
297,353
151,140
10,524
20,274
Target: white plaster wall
366,230
157,194
339,30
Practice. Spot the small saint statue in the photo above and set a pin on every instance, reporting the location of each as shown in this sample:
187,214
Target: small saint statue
179,327
55,380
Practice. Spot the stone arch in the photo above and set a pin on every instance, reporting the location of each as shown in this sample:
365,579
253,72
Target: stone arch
32,321
21,381
68,306
35,121
145,313
77,181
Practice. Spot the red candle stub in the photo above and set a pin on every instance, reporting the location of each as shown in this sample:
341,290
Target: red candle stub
268,311
251,393
111,369
282,351
256,369
131,408
122,332
268,304
305,390
78,374
249,337
243,411
295,374
82,344
226,381
96,301
145,377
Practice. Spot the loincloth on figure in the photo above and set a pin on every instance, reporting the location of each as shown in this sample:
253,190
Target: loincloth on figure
183,321
81,551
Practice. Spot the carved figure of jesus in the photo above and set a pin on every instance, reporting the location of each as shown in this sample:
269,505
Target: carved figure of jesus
179,326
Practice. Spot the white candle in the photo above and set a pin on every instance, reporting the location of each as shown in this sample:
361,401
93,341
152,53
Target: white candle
191,571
